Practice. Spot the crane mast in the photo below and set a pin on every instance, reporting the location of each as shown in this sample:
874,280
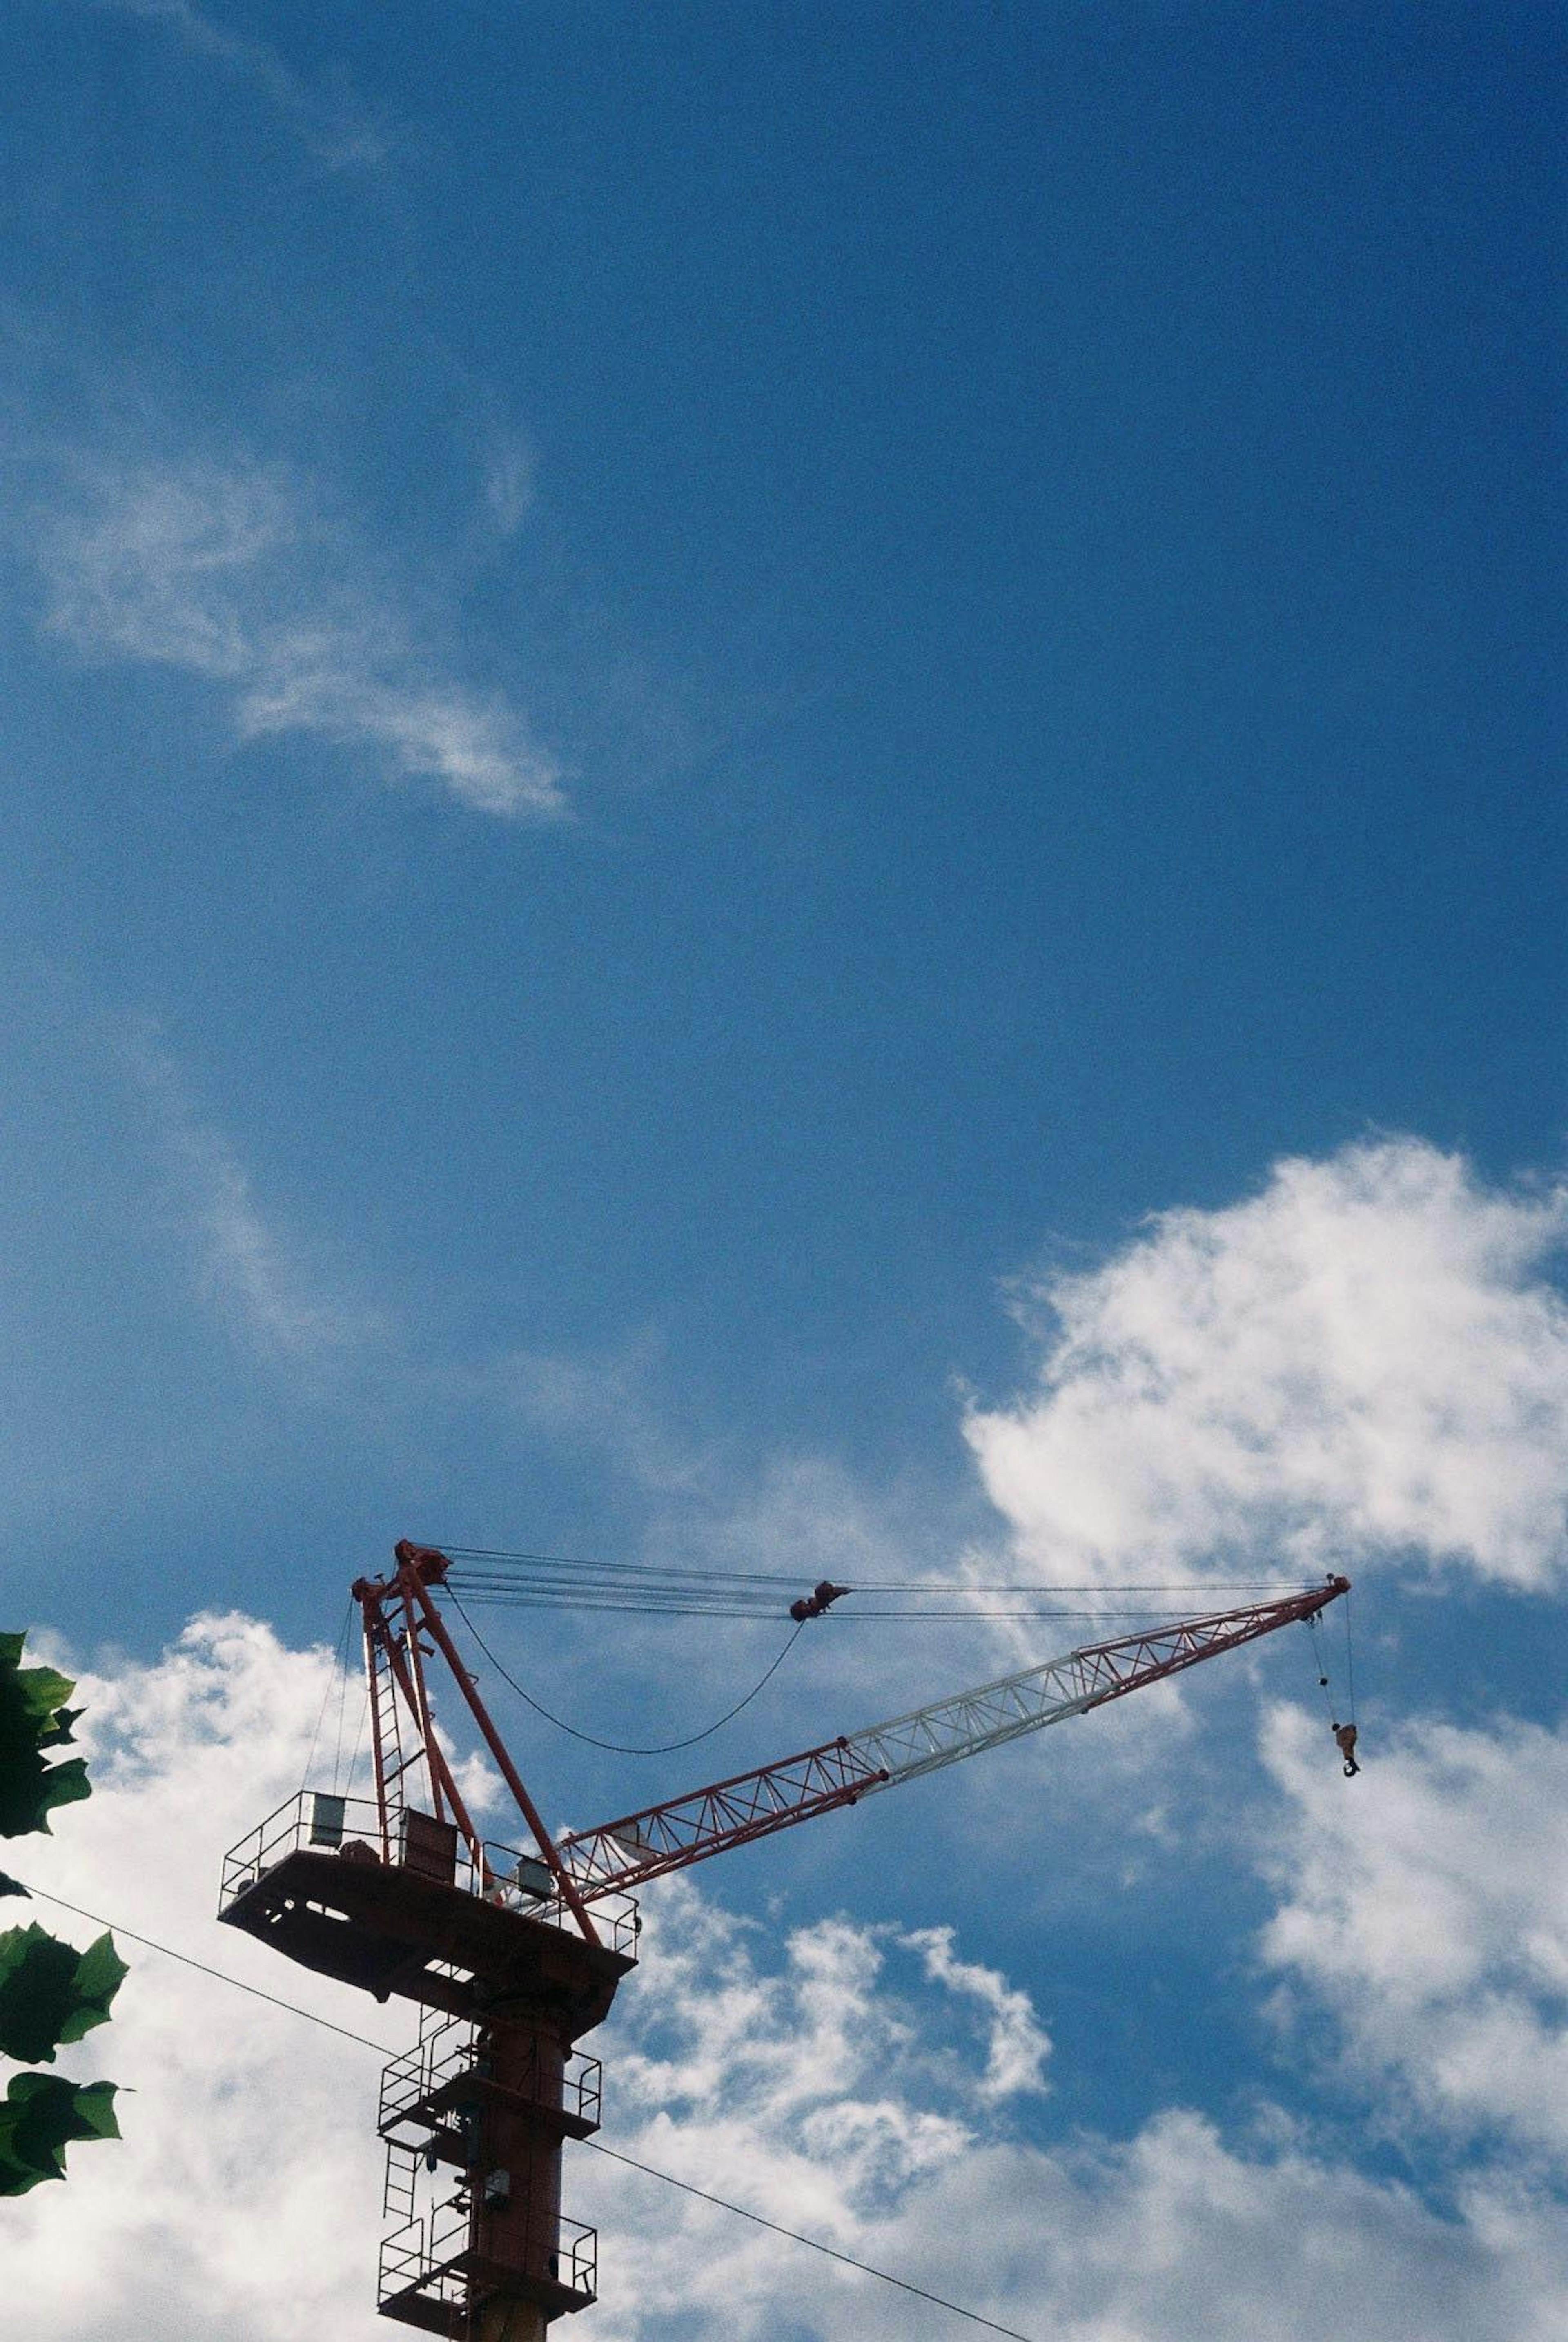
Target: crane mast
513,1954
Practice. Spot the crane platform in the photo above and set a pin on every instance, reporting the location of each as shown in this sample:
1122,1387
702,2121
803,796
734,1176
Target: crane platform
418,1926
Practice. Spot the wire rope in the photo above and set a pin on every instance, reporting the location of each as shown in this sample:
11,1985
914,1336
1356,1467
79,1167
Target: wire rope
621,1747
341,1695
339,1663
649,2170
1320,1665
673,1573
685,1602
866,1617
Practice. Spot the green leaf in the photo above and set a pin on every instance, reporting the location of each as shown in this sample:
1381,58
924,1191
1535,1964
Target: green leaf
100,1973
40,2116
50,1992
42,1690
65,1784
34,1717
30,1790
36,1973
9,1885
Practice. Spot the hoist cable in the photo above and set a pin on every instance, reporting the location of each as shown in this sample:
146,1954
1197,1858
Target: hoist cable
620,1748
1349,1659
1320,1665
648,2170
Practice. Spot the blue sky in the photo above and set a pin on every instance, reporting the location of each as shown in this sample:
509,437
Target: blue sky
786,788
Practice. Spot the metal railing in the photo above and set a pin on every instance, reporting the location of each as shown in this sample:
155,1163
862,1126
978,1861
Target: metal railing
437,2065
430,2255
425,2255
325,1823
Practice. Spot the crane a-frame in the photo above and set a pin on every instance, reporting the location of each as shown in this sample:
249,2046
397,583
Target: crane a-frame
513,1955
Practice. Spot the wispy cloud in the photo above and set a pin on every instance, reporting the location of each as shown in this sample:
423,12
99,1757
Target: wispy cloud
1367,1358
509,466
335,132
230,573
245,1268
1019,2044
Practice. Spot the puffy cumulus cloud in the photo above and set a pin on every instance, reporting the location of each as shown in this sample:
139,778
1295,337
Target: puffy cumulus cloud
1368,1357
1431,1918
801,2081
811,2051
236,2201
844,2077
228,572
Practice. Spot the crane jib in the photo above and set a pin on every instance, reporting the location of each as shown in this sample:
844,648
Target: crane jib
621,1854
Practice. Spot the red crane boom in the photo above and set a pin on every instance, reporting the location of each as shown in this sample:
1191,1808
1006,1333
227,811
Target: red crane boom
620,1854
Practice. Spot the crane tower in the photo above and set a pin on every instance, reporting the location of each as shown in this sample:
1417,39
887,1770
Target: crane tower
513,1954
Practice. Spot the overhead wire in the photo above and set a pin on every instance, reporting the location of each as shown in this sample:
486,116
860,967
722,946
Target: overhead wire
849,2260
151,1943
648,2170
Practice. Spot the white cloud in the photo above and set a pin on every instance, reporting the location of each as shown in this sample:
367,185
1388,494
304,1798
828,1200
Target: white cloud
1427,1909
227,571
1365,1357
232,2202
1019,2047
798,2079
822,2077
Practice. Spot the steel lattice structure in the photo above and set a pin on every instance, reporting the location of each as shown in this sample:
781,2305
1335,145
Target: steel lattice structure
620,1854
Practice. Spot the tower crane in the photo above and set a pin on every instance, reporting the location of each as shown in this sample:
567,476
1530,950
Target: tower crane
513,1954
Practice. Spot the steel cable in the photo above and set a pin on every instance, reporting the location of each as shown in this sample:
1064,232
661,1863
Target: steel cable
621,1747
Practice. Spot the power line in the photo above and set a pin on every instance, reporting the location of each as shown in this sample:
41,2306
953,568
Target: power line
848,2259
149,1944
648,2170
